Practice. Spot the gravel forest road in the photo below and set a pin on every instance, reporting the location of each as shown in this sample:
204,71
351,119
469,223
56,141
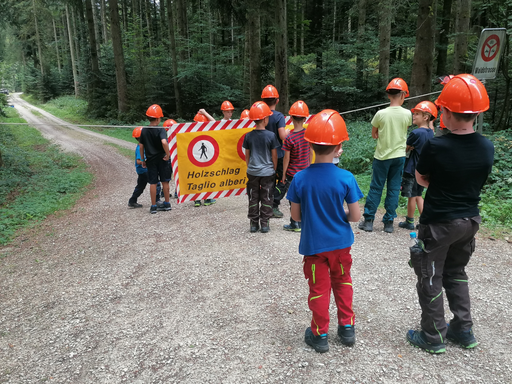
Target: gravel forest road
106,294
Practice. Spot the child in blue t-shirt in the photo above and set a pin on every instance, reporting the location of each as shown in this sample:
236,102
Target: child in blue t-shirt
142,176
317,194
423,115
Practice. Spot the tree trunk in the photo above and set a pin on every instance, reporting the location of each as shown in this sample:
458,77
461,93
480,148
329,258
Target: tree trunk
104,21
147,7
95,67
174,57
386,13
460,48
38,40
253,16
72,53
181,8
117,45
423,61
442,52
76,37
359,43
303,5
56,45
281,55
96,28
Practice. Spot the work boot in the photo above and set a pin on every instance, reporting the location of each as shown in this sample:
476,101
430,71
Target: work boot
407,224
255,227
465,339
276,213
347,334
388,227
294,226
319,343
265,227
366,225
417,338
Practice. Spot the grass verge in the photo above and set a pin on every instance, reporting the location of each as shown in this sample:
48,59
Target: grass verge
36,180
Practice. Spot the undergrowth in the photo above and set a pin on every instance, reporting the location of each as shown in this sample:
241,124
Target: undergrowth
36,179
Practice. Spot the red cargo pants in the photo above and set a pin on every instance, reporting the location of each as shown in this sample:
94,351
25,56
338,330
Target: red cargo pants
324,271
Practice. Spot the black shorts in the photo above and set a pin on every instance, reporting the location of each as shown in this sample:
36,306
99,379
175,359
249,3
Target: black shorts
158,170
410,188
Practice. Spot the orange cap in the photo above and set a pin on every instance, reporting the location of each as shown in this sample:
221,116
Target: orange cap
299,108
136,132
259,111
269,92
169,122
326,128
398,84
154,111
200,118
227,106
426,106
245,114
464,94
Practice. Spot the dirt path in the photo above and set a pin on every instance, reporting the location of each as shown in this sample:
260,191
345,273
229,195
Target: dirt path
104,294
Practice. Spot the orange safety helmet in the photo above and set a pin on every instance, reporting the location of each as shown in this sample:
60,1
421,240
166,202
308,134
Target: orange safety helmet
245,114
326,128
426,106
168,123
136,132
398,84
227,106
200,118
259,111
464,94
154,111
300,109
441,122
269,92
445,79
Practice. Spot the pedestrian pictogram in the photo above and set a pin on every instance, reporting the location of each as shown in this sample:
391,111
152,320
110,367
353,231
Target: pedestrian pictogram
490,48
203,151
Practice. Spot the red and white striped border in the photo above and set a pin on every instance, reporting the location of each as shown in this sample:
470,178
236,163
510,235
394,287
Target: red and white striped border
201,127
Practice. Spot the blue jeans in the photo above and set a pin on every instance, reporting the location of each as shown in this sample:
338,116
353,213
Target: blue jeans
384,171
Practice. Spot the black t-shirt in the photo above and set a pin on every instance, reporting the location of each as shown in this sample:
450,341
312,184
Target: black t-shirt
458,166
152,138
276,121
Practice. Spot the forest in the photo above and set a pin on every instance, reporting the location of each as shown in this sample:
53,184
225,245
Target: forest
123,55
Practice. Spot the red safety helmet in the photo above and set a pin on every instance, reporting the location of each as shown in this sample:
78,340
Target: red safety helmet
200,118
464,94
398,84
269,92
227,106
245,114
154,111
259,111
326,128
300,109
136,132
426,106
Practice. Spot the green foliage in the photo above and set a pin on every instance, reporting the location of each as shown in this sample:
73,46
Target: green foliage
358,151
36,179
496,203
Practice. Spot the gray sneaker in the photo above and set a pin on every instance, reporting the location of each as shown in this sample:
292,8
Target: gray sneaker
366,225
388,227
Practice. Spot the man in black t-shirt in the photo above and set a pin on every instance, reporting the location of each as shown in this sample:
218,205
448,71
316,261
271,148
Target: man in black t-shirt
454,168
154,152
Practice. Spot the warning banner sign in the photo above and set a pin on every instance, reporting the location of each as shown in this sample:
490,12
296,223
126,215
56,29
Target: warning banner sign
490,47
208,159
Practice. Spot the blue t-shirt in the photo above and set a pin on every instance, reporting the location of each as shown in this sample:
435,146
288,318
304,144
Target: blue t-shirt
321,190
138,167
276,121
416,139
